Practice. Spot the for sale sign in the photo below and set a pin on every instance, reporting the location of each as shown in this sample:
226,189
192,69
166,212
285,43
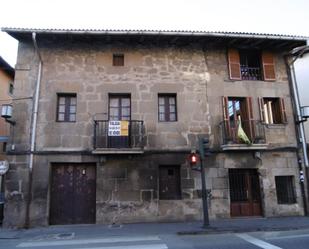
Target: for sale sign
118,128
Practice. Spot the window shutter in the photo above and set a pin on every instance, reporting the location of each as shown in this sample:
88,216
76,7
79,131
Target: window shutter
250,117
234,64
282,110
225,102
262,111
268,66
227,127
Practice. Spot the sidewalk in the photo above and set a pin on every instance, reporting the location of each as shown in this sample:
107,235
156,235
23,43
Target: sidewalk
184,228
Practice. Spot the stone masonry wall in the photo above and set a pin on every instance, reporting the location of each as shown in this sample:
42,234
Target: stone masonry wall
127,186
147,71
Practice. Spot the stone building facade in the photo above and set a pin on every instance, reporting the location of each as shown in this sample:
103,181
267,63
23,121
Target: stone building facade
167,91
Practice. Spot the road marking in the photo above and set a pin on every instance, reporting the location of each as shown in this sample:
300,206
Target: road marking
154,246
257,242
289,237
88,241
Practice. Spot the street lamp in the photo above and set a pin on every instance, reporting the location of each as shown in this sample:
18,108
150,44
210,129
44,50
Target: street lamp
6,113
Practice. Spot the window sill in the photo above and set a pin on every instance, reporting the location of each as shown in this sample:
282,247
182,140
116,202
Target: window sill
275,126
287,203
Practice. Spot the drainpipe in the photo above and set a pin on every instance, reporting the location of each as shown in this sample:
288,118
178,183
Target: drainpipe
296,53
33,128
298,112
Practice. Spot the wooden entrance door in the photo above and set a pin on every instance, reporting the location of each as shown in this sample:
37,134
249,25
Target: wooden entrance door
169,183
73,194
245,192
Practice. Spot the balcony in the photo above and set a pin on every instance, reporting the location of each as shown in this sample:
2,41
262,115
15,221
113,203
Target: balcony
107,140
250,73
254,129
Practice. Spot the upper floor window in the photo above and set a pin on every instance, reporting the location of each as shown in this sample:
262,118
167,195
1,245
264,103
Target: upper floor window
237,111
119,107
251,65
273,111
66,109
118,60
167,107
11,88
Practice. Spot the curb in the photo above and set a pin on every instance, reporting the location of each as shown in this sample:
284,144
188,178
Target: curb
220,231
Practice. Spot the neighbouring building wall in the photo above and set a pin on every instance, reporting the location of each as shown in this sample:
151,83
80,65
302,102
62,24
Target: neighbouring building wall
5,97
6,79
302,76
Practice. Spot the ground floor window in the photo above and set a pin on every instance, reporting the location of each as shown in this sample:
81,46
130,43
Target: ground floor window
285,189
169,182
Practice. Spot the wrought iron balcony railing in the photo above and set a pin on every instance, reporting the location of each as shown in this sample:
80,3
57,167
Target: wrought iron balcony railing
254,130
250,73
105,138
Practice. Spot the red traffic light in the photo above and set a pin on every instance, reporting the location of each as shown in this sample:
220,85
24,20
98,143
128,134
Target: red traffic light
193,158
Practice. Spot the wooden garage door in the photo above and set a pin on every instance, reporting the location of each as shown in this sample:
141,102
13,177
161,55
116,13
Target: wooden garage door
73,194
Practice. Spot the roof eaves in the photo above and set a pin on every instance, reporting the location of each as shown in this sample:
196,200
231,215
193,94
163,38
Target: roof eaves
6,67
157,32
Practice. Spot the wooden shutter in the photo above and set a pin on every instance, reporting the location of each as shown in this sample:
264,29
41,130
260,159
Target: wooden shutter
234,64
262,111
227,127
282,111
268,66
250,118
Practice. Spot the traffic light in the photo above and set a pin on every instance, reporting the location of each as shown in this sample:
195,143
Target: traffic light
204,147
193,159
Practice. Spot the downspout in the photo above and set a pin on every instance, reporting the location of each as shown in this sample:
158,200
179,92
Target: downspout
33,128
300,133
298,112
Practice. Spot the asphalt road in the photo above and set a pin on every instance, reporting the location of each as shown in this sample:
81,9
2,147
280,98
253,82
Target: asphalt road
296,239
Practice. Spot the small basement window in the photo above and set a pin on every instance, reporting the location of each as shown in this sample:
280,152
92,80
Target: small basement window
118,60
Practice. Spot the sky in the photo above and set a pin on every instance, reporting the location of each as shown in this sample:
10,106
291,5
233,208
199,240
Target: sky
261,16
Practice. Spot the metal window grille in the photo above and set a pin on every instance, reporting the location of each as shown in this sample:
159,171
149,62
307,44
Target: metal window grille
285,189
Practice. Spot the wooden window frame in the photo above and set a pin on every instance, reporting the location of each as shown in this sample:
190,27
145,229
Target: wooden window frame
267,65
118,60
67,104
120,96
246,112
167,113
279,114
287,195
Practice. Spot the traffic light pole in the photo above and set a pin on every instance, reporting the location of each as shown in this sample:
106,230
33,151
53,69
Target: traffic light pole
204,191
204,195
